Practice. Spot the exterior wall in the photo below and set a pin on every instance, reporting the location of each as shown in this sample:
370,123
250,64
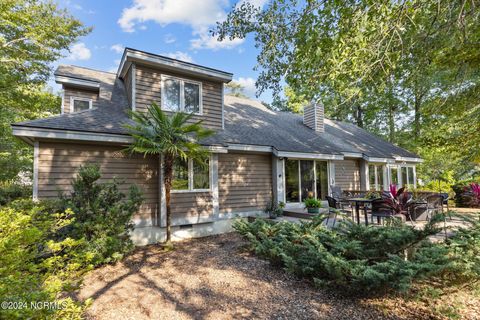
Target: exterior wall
347,174
128,85
69,92
244,182
191,207
59,163
148,90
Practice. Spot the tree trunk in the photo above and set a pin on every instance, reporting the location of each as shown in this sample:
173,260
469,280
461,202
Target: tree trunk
391,122
168,171
359,116
416,121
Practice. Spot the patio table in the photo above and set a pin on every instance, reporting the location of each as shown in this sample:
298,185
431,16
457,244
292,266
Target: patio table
357,202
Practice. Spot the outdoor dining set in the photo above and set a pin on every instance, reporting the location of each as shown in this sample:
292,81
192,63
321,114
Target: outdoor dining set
384,205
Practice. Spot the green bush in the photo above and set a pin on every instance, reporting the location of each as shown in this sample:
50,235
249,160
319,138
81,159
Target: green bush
459,189
46,246
10,190
34,266
103,214
361,258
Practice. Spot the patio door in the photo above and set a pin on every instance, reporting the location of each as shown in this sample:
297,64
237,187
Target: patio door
304,178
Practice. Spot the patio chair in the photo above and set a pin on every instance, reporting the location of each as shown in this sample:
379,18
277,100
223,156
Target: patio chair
381,210
434,204
337,192
335,204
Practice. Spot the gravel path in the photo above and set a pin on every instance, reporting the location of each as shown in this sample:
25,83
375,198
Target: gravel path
211,278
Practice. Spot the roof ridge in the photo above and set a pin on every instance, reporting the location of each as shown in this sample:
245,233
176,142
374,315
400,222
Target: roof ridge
87,68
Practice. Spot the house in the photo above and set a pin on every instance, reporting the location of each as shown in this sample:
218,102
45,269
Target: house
256,154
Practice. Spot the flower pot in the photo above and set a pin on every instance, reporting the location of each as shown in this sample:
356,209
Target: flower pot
313,210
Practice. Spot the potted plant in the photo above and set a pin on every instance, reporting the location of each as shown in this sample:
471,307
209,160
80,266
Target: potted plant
271,209
312,205
281,206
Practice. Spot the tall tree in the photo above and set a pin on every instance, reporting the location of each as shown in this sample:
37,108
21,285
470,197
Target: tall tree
172,137
33,34
401,69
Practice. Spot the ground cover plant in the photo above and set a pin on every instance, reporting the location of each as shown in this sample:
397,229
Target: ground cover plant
46,246
358,258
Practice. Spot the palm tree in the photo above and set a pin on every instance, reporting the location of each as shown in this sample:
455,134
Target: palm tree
171,136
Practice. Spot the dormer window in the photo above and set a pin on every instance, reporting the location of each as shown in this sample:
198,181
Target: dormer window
181,95
80,104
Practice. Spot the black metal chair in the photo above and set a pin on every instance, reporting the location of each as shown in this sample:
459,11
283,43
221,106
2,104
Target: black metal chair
381,210
434,204
334,206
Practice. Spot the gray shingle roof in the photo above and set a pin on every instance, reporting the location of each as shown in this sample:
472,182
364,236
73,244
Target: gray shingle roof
246,122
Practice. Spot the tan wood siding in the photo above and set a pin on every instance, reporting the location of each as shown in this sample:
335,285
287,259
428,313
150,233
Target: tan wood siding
148,90
69,92
191,207
347,174
244,182
127,80
59,163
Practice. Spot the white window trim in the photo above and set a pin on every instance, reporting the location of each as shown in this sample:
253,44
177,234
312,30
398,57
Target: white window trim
190,178
329,168
72,99
379,169
182,93
399,174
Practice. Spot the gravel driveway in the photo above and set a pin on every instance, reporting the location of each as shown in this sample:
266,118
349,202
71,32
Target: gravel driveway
211,278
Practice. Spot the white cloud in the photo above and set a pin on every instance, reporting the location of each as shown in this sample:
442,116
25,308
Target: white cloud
190,12
199,15
79,52
205,40
118,48
179,55
169,38
248,85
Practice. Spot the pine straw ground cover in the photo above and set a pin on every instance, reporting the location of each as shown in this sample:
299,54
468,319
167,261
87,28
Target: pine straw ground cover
218,278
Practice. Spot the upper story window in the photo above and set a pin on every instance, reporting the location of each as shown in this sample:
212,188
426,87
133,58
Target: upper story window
80,104
181,95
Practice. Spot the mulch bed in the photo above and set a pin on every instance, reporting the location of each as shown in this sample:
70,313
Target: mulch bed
217,278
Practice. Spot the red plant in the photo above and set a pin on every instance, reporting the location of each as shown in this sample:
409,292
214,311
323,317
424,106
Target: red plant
472,196
393,190
399,200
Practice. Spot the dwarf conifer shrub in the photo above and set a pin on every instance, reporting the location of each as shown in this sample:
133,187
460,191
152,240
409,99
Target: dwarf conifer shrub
364,258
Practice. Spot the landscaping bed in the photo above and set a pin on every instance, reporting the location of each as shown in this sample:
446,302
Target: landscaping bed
217,278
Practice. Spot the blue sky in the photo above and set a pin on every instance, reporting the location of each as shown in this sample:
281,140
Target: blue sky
175,28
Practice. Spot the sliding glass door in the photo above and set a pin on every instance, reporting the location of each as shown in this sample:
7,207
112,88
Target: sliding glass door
304,178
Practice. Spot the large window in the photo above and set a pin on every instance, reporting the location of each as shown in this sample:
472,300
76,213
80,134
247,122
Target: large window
80,104
190,176
181,95
305,178
403,175
375,176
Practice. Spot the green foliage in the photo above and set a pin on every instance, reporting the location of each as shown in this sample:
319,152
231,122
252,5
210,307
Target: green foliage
103,214
365,258
46,246
174,136
405,70
235,89
312,203
33,35
34,264
10,190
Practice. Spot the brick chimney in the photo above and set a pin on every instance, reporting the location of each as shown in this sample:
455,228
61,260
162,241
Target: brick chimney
313,116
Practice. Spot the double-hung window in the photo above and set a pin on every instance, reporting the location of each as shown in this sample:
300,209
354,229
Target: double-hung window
190,175
375,172
80,104
181,95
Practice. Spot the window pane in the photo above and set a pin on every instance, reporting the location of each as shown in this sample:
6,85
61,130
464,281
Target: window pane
322,179
380,178
180,175
201,178
192,97
79,105
171,97
307,182
394,176
403,170
371,176
291,181
411,182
